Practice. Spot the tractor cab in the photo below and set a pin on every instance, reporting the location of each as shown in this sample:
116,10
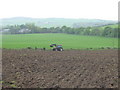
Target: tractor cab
59,46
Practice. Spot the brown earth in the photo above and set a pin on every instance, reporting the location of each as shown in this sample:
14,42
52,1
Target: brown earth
66,69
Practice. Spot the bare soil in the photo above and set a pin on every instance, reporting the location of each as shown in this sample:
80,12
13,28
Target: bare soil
54,69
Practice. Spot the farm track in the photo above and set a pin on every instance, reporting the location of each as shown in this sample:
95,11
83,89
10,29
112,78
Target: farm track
67,69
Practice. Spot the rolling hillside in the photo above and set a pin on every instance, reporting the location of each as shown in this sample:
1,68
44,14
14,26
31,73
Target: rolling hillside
56,22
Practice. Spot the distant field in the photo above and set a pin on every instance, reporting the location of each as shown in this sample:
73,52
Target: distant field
112,26
68,41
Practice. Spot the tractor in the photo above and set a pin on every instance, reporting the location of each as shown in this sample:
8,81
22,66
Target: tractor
56,47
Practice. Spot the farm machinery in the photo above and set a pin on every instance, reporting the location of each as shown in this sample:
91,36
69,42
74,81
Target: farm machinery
56,47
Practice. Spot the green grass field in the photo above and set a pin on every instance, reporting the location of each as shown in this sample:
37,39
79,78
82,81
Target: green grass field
68,41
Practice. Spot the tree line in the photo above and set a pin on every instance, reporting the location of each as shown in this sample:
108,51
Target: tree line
32,28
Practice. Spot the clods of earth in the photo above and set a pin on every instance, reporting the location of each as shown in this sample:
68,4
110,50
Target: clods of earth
53,69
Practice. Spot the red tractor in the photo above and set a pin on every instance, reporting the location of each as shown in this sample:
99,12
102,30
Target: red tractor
56,47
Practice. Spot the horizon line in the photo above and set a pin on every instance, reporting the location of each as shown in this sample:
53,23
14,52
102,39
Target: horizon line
55,17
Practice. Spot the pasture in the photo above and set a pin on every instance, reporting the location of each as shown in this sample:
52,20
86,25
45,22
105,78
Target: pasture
18,41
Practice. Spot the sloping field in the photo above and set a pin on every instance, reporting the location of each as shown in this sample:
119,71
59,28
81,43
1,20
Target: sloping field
67,69
68,41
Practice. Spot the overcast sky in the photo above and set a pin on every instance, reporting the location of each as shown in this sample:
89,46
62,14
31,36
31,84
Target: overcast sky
91,9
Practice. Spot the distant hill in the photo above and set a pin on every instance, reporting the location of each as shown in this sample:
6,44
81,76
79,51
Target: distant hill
56,22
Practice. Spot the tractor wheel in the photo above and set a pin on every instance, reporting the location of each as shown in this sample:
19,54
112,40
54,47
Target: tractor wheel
61,49
54,49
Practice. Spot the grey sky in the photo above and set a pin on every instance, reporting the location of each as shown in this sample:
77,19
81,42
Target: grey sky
92,9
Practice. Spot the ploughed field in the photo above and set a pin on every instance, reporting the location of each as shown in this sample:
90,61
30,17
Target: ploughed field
54,69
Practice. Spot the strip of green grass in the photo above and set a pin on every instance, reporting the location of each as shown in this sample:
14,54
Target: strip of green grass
68,41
